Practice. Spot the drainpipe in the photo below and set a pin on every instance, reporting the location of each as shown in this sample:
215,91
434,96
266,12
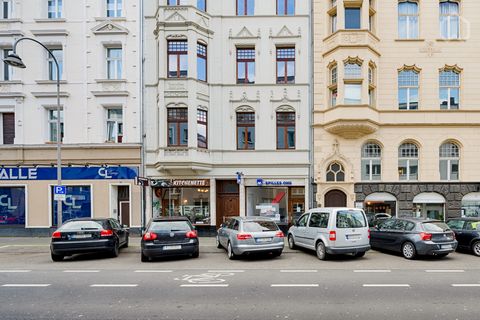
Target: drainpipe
142,110
311,168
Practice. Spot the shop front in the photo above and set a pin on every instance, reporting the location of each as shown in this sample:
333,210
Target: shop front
429,205
471,205
380,202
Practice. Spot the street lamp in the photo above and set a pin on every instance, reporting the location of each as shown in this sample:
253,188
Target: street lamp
14,60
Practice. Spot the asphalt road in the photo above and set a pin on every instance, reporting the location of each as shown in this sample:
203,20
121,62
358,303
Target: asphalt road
294,286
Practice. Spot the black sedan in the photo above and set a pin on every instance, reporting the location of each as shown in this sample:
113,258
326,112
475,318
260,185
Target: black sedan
169,236
413,237
88,236
467,231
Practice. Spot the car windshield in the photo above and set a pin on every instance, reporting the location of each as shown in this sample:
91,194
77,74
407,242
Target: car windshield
350,219
81,225
169,226
259,226
435,226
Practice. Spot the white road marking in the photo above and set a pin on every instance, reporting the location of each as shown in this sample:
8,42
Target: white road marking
373,271
81,271
386,285
466,285
294,285
444,271
113,285
226,271
153,271
26,285
299,271
203,285
3,247
15,271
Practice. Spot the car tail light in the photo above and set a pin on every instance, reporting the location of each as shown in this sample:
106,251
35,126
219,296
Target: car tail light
279,234
149,236
425,236
56,235
192,234
106,233
244,236
333,236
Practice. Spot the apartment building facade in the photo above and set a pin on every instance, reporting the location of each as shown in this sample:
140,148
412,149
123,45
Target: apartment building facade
227,109
397,120
97,46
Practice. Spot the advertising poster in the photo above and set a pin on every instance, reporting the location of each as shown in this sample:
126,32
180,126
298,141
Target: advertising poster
12,206
78,204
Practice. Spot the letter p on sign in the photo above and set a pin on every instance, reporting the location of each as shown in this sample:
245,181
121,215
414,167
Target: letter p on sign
59,193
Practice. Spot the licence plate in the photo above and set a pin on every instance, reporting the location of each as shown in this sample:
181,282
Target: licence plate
172,247
80,236
446,246
353,237
263,240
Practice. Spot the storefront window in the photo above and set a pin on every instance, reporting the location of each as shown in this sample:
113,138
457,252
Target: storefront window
78,204
268,202
471,205
12,206
429,211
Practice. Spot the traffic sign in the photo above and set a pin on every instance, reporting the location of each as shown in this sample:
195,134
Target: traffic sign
59,193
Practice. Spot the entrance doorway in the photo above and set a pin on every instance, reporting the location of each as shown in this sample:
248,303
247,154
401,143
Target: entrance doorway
121,204
228,202
335,198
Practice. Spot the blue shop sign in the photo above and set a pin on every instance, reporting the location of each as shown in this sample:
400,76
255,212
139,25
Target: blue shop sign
262,182
69,173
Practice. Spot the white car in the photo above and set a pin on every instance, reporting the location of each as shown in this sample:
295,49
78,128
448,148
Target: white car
331,231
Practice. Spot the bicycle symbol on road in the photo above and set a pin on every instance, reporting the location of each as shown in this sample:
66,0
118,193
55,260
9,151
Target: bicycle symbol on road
205,278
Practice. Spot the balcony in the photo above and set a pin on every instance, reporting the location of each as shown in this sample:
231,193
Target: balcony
351,121
183,160
351,39
171,16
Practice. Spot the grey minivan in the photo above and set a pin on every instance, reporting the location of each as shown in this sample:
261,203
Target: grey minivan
245,235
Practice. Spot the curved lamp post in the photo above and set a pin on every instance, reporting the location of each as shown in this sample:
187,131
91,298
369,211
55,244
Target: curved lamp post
14,60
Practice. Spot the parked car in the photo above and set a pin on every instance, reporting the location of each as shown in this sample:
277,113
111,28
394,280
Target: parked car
412,237
375,218
88,235
169,236
467,233
331,231
247,235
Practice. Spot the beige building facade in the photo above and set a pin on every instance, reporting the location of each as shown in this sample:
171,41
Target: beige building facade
396,114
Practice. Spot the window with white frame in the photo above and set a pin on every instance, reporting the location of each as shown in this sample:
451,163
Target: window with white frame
335,172
114,63
7,71
449,19
55,8
371,84
408,20
353,70
115,125
114,8
52,67
6,9
449,89
371,162
52,125
333,85
449,161
408,90
408,162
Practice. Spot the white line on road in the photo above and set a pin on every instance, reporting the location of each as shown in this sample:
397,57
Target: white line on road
153,271
203,285
3,247
113,285
15,271
444,271
26,285
299,271
294,285
226,271
81,271
373,271
386,285
466,285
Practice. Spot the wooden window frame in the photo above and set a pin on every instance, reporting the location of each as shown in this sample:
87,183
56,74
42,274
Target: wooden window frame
177,121
200,55
285,61
285,124
245,127
205,123
246,61
178,54
285,13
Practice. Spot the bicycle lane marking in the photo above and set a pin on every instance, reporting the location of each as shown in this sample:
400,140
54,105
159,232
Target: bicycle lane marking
207,279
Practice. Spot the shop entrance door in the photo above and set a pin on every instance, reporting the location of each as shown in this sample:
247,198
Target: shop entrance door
335,198
125,213
228,202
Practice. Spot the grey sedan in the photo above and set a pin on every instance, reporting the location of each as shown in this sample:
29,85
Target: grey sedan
246,235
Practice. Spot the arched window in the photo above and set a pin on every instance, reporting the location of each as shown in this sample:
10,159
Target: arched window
335,172
449,89
408,162
449,161
371,162
408,19
449,19
408,89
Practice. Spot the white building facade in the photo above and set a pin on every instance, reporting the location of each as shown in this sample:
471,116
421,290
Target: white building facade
227,109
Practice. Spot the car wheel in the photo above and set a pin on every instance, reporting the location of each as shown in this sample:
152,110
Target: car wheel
115,250
359,254
476,248
230,253
144,258
321,251
291,242
408,251
218,244
57,257
196,254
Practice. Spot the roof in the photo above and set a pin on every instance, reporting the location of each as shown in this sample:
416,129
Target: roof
172,218
466,218
252,218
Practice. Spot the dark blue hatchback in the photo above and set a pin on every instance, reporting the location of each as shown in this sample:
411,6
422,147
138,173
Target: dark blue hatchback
467,232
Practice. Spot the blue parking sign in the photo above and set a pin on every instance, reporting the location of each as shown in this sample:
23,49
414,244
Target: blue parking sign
62,190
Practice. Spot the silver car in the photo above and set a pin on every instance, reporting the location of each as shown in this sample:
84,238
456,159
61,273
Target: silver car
245,235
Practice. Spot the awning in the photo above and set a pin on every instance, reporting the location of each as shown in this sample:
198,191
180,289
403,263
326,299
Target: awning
380,196
429,197
474,196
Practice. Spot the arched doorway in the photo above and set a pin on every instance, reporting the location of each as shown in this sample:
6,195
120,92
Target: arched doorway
335,198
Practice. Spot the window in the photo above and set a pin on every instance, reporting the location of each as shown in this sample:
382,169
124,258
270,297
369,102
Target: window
202,129
202,5
333,85
333,22
371,162
449,161
335,172
371,84
302,222
285,130
449,20
55,9
13,206
408,20
201,62
245,7
114,8
115,125
318,220
353,93
353,71
178,2
352,18
408,162
78,203
7,71
114,63
52,68
177,59
449,89
408,90
245,65
52,124
7,128
285,7
245,131
177,127
285,65
6,9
